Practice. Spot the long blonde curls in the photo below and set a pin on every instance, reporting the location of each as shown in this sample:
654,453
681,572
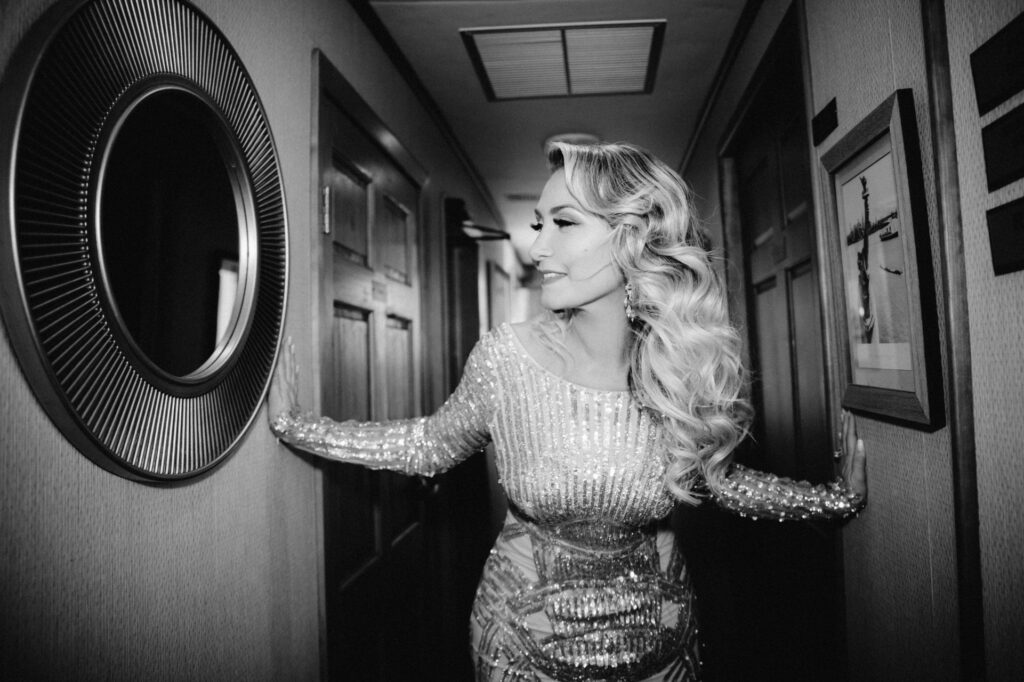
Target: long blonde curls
685,357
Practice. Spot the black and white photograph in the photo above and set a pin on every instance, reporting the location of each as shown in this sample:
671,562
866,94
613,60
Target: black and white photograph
511,340
874,267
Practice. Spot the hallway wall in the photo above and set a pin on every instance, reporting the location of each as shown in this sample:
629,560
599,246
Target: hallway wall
901,590
104,578
900,561
996,307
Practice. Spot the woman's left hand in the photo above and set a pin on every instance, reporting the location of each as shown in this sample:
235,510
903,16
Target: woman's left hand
283,396
852,457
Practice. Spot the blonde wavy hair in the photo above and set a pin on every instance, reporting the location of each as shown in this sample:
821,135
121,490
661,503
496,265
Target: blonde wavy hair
685,355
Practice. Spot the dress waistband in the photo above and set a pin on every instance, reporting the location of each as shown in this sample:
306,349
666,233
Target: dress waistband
587,534
591,549
600,601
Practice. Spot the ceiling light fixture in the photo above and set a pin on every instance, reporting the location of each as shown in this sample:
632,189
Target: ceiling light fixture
565,60
481,233
571,138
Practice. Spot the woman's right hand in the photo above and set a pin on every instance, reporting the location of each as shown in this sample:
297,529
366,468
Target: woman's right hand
284,388
853,461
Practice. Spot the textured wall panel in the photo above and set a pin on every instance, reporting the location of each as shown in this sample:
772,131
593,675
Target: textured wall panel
996,309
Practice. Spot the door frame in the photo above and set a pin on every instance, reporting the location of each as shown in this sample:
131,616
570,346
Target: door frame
327,81
732,228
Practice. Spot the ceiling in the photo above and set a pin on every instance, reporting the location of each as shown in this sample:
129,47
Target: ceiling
504,138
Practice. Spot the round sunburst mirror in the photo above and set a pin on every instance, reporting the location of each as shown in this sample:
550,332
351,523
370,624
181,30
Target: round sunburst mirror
145,250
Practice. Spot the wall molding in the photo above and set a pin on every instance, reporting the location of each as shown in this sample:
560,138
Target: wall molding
953,276
732,50
408,73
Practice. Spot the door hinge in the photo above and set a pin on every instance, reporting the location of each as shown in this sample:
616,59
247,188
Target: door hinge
325,209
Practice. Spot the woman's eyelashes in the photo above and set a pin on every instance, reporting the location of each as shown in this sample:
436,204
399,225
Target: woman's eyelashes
538,225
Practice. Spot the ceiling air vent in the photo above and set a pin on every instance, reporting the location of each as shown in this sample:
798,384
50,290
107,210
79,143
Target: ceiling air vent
563,60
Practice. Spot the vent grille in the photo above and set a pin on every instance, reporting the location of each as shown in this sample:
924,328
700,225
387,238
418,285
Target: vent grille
522,62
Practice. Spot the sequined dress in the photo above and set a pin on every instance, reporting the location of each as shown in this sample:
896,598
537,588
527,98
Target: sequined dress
583,582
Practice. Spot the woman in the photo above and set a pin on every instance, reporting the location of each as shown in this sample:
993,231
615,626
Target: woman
625,400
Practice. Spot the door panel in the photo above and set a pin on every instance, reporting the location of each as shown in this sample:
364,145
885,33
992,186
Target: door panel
774,368
394,236
812,428
356,645
403,491
795,161
759,203
350,349
404,619
350,210
398,339
349,517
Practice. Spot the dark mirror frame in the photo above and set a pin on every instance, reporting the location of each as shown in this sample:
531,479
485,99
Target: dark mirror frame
65,91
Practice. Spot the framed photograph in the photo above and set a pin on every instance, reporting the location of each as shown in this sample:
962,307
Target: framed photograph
878,246
499,295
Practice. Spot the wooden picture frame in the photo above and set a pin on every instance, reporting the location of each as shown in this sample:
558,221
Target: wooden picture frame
878,247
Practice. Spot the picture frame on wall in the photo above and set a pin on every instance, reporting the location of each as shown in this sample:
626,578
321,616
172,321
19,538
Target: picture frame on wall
879,253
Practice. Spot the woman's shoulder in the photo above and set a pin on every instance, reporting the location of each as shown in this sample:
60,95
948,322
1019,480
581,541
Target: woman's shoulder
519,343
492,346
507,344
510,335
522,331
495,338
528,336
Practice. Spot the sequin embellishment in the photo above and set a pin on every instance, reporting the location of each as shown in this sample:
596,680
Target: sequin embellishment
605,601
579,585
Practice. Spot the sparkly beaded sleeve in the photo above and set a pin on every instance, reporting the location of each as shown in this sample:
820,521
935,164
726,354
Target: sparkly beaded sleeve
761,495
421,445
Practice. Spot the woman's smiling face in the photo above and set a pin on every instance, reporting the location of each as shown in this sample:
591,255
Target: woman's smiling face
572,251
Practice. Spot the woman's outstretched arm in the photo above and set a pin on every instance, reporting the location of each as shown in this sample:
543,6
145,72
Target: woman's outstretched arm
761,495
420,445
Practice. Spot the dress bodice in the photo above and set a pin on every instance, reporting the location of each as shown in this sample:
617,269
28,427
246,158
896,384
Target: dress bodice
565,451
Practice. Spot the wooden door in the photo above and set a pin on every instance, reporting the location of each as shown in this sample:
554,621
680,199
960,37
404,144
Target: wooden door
773,184
376,577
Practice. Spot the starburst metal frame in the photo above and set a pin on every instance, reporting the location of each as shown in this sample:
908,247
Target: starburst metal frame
67,88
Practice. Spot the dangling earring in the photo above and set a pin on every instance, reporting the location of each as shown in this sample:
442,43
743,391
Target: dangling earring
628,302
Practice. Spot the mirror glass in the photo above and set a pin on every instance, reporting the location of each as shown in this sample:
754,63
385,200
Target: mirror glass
170,230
